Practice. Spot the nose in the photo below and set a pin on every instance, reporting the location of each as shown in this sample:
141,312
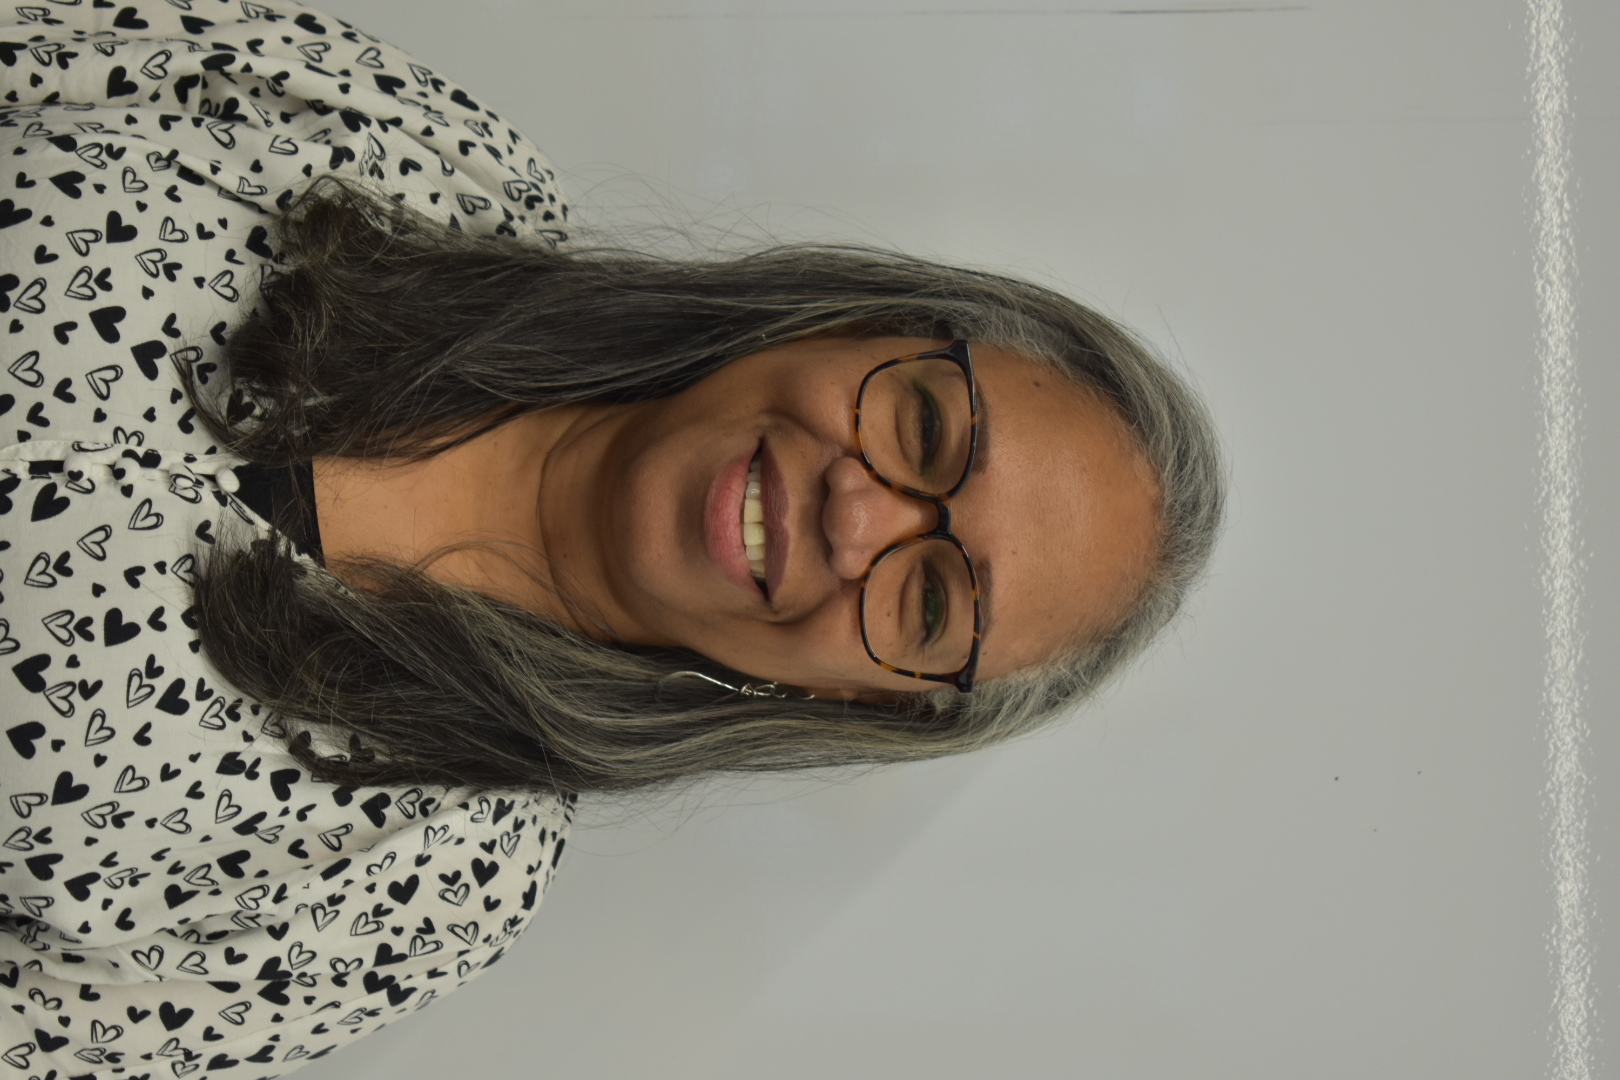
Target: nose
862,517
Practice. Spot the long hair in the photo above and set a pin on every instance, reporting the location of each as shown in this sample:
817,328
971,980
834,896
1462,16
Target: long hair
387,335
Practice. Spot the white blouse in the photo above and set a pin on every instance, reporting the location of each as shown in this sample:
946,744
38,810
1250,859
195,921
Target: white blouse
178,898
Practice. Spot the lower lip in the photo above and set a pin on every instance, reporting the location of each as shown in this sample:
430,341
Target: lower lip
722,523
776,551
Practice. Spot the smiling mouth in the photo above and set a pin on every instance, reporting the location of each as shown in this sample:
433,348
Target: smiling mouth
753,522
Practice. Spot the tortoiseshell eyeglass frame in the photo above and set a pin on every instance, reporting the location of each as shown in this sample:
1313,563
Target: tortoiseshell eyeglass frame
959,353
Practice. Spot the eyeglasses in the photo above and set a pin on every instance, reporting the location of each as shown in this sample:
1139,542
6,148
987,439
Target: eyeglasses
917,431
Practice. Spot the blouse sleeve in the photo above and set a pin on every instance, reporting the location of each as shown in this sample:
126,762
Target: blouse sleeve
280,970
259,97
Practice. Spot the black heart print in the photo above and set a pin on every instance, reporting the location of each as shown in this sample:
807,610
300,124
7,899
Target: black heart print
151,814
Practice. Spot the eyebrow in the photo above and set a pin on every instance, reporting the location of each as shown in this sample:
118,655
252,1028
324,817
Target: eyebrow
982,570
981,459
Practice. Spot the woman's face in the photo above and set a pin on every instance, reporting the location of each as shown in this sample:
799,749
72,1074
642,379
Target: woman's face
1059,515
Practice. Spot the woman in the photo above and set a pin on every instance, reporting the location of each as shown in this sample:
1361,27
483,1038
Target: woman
353,526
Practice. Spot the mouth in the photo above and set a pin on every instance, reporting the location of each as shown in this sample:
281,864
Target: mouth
727,533
754,536
764,523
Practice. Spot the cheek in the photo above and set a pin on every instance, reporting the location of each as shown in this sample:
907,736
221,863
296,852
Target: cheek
823,648
815,394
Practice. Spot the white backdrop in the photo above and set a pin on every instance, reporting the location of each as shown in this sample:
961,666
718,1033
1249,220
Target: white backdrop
1309,837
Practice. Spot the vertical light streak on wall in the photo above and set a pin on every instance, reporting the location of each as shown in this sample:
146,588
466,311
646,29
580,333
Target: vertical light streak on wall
1560,494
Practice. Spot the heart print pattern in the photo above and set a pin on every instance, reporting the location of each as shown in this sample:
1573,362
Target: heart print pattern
178,899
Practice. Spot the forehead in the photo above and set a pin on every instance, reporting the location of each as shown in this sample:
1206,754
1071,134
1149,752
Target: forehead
1061,508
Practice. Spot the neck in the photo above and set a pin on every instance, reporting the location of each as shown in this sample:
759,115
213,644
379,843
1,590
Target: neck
469,516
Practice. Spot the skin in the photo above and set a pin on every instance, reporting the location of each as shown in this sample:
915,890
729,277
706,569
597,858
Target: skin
594,515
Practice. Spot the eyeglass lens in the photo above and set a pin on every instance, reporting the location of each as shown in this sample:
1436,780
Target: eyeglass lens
916,430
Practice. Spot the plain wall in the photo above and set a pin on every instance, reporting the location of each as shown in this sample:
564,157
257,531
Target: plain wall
1307,837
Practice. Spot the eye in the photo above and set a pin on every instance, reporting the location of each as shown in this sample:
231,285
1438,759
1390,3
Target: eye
930,429
934,606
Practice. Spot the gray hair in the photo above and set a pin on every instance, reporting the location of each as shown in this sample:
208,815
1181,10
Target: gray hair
389,335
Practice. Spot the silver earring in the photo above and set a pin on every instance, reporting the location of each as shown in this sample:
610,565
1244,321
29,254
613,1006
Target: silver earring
747,689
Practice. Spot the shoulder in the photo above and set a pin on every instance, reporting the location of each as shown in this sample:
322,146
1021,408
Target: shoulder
262,83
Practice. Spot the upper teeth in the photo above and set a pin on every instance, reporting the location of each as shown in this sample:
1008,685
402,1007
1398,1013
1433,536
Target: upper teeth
753,523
